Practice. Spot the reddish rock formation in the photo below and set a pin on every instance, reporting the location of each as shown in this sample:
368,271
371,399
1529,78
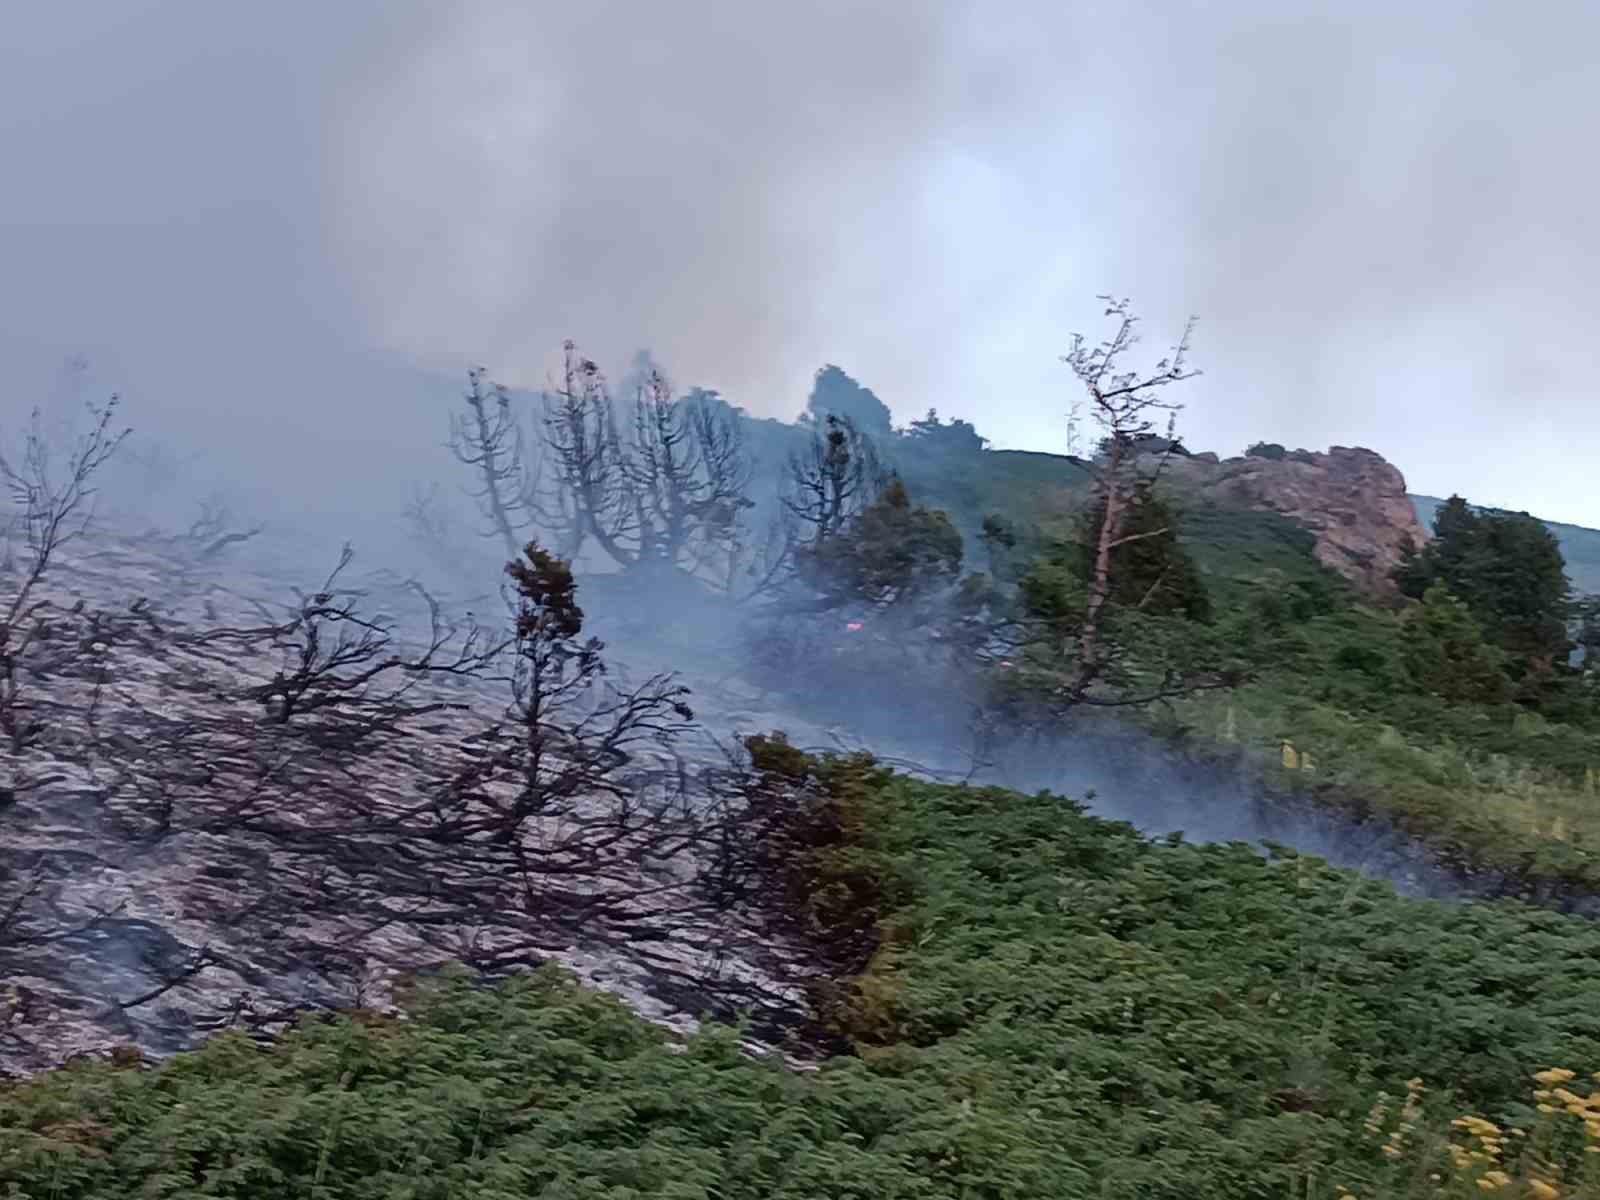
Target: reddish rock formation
1351,498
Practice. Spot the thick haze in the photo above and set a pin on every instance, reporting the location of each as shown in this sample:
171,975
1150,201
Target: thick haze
260,221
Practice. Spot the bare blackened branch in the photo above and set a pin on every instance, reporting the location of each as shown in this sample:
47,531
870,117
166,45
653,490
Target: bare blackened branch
673,496
832,480
51,510
488,439
590,494
569,817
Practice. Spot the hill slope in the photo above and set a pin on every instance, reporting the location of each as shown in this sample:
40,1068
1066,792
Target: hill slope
1056,1008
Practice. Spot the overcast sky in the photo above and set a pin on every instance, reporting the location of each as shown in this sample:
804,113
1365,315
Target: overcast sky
258,220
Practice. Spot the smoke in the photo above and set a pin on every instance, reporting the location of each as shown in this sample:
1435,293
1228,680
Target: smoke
284,233
1379,215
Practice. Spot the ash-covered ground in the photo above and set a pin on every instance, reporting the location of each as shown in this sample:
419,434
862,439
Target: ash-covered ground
117,934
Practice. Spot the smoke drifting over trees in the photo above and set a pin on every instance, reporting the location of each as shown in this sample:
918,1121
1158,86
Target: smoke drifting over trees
842,183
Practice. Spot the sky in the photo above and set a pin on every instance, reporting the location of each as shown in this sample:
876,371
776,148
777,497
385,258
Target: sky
282,231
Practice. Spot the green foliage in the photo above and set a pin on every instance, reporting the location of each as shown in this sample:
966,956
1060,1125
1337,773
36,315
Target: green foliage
1446,654
1260,558
1025,487
813,823
1270,450
1335,672
1579,546
1150,571
892,553
1156,636
1488,787
1068,1010
1508,569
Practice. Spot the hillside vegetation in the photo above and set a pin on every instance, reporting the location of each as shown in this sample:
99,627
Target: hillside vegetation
978,993
1441,714
1054,1007
1454,713
1579,546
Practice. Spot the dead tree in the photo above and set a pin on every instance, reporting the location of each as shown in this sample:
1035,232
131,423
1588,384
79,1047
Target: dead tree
1049,648
435,526
590,494
664,489
832,481
488,440
41,646
388,799
212,531
672,496
49,509
1122,404
690,477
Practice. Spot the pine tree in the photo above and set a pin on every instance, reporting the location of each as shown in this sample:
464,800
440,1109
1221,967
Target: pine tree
1446,653
1508,570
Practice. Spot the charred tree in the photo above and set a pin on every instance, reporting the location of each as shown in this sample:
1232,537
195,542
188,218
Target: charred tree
832,480
689,477
49,509
488,440
672,495
590,497
43,645
394,796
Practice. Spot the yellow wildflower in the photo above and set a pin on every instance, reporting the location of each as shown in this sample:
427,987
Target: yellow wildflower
1542,1189
1554,1075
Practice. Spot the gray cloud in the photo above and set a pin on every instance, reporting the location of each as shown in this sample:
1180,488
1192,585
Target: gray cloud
262,220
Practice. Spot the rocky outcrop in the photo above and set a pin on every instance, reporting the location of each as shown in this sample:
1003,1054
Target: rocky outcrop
1351,498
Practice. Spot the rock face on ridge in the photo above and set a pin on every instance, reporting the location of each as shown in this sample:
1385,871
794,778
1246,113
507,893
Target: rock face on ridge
1353,499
